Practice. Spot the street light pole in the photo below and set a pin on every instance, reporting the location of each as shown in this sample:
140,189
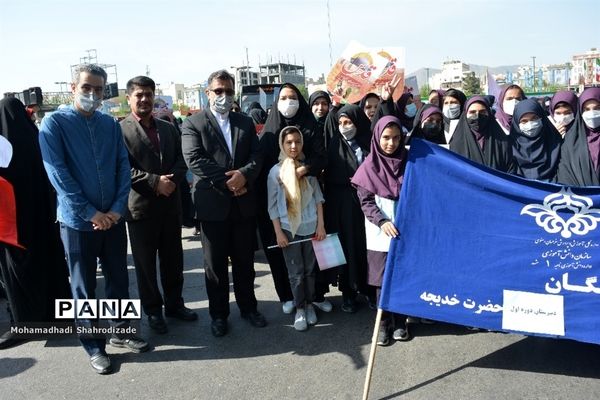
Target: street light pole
534,86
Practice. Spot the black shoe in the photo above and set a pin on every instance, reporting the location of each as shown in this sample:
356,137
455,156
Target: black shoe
9,339
188,223
218,327
133,343
101,363
183,313
383,337
372,302
157,323
401,334
400,328
349,305
256,319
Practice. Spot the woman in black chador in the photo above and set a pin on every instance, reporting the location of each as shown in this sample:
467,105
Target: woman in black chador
348,139
35,276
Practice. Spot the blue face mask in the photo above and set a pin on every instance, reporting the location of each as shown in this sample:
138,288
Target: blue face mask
411,110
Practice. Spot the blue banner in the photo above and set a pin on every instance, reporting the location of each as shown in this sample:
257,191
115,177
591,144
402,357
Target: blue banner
482,248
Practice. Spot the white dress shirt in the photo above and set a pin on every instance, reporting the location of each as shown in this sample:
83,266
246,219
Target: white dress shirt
223,121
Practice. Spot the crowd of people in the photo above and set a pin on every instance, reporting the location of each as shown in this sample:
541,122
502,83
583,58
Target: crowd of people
300,171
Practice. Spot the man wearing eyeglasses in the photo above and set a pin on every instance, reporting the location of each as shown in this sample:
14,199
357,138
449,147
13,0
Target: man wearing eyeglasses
221,148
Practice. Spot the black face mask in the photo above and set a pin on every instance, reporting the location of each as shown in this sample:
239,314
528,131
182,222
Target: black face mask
431,130
479,123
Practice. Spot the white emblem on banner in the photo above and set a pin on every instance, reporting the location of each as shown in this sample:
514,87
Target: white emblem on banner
584,218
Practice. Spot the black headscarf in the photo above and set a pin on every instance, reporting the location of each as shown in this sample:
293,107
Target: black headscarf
342,159
388,107
255,105
462,99
425,112
535,157
258,115
407,122
317,95
312,135
458,95
497,149
576,166
311,101
363,102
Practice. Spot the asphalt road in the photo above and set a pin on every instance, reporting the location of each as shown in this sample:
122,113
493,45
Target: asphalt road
329,361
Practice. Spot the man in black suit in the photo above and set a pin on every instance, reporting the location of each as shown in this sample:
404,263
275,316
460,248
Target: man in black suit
221,148
154,206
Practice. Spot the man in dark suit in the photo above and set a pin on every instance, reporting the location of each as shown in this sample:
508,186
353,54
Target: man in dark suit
221,148
154,206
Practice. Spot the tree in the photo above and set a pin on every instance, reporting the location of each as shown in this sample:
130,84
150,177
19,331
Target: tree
554,88
471,84
424,92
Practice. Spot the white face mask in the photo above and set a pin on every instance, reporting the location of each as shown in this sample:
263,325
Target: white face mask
288,108
509,106
451,111
88,102
591,118
531,128
222,104
348,132
563,119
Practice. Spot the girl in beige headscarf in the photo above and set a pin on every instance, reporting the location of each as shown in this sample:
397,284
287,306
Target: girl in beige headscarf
296,210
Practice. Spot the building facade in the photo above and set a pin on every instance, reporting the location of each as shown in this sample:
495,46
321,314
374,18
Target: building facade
586,68
453,72
282,73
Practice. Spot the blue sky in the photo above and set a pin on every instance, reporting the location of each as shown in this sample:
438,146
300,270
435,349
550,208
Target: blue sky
183,41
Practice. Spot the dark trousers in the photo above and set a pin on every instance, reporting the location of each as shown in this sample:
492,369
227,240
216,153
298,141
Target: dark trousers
187,206
275,258
231,238
83,248
158,234
301,262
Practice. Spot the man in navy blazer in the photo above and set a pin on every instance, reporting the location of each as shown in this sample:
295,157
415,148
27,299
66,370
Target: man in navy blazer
221,149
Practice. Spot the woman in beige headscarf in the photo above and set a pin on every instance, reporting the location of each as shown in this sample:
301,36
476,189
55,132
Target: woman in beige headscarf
296,210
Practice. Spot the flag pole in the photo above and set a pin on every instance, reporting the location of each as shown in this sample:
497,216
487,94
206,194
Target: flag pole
372,355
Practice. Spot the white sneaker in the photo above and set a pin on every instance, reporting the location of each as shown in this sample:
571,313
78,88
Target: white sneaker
288,307
311,315
324,305
300,323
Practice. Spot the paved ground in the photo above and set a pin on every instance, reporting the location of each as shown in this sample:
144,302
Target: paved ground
327,362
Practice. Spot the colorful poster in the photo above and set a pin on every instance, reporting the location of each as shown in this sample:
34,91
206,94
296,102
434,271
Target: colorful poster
486,249
396,61
361,70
